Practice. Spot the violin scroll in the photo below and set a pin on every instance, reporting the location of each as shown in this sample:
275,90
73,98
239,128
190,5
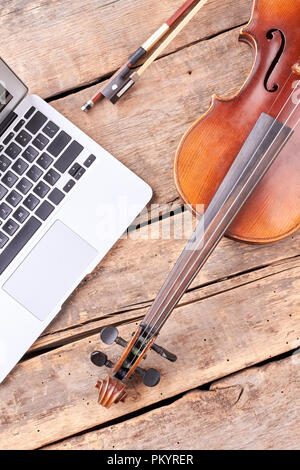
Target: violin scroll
110,391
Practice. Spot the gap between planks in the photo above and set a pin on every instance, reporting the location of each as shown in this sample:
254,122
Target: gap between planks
179,57
230,265
252,409
146,155
88,36
104,78
144,129
52,396
137,312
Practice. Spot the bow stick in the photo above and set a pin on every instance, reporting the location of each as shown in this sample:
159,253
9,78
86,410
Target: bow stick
125,78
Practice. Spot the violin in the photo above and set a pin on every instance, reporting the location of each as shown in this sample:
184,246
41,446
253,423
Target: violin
241,163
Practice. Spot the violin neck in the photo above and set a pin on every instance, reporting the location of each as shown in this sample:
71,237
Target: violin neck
258,153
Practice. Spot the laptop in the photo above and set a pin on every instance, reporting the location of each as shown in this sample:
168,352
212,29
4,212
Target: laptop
64,202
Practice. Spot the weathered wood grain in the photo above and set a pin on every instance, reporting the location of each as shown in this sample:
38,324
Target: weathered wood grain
138,311
258,408
242,309
52,396
139,267
147,145
144,130
58,45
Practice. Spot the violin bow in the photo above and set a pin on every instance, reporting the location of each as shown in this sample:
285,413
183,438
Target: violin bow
126,77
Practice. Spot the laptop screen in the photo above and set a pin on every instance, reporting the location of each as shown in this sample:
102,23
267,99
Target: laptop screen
12,90
5,97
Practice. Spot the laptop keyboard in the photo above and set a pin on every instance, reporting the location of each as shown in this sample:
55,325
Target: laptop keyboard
33,158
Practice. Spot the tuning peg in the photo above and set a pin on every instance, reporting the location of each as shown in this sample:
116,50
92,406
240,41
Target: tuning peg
99,359
151,377
164,353
109,335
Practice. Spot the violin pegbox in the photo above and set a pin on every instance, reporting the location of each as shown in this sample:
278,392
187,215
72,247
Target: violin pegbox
112,389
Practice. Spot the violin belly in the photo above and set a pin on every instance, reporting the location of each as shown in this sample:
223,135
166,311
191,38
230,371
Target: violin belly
210,146
204,157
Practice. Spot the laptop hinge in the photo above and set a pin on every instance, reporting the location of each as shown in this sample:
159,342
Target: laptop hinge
7,122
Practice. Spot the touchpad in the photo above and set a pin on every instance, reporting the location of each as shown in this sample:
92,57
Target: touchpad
51,270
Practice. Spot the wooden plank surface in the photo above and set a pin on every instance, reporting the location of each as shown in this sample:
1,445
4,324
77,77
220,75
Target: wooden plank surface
52,396
255,409
138,311
150,155
144,130
95,299
59,45
242,309
147,146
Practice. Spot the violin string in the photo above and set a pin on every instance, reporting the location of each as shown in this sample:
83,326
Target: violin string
156,322
191,268
234,200
264,138
148,336
281,91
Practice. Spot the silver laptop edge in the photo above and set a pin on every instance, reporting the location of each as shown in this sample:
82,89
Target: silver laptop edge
71,241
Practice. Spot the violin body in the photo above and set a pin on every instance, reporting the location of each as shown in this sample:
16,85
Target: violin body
210,146
241,162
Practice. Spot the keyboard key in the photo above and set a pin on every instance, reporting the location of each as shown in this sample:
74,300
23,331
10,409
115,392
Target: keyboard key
41,189
56,196
24,186
19,125
79,173
31,202
36,122
4,163
8,121
3,191
52,177
10,227
89,161
18,242
13,198
29,112
13,150
74,168
70,184
23,138
8,138
68,157
34,173
5,210
9,179
51,129
30,154
21,215
20,166
59,143
3,239
44,161
44,210
40,142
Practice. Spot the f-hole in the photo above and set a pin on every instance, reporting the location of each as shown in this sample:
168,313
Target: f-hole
271,35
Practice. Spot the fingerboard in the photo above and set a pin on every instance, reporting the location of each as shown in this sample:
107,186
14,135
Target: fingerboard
265,142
